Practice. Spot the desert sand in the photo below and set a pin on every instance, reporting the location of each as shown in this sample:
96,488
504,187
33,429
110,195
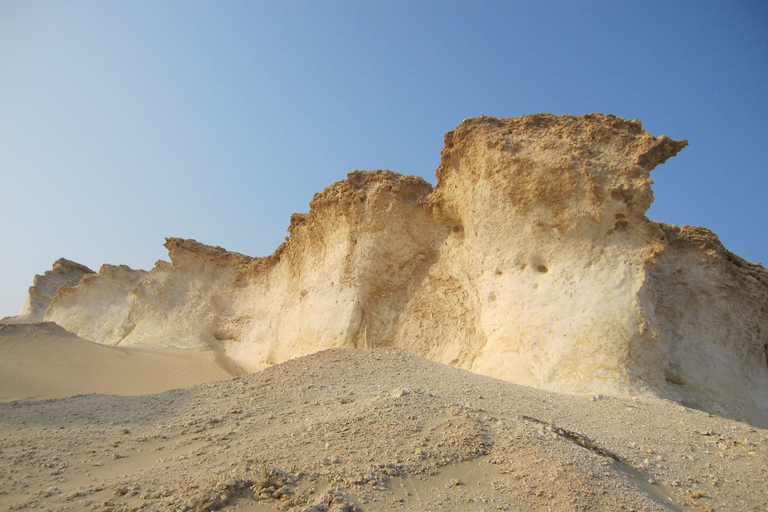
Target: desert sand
45,361
374,430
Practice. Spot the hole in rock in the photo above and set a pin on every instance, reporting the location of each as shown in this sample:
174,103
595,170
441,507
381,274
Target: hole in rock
542,269
622,194
673,377
221,336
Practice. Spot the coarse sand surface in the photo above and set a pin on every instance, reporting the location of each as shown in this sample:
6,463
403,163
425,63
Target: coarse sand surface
367,430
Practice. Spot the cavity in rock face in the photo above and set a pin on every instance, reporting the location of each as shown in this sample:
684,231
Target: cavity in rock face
531,260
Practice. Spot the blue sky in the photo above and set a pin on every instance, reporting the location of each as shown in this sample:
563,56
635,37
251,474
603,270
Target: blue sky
122,122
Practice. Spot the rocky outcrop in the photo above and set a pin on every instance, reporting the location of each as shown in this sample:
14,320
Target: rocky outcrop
100,305
548,255
709,309
531,260
65,273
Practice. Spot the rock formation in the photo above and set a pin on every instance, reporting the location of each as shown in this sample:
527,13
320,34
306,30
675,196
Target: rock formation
99,304
531,261
44,287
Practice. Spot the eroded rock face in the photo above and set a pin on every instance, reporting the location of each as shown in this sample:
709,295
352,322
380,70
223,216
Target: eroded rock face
531,261
99,306
65,273
548,253
709,308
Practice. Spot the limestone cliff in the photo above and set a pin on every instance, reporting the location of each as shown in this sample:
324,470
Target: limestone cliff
99,305
65,273
531,260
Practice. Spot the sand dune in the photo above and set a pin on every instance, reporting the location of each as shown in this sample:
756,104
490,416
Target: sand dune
45,361
374,430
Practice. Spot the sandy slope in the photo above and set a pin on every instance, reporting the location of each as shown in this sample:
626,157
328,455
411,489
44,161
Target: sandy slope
374,430
45,361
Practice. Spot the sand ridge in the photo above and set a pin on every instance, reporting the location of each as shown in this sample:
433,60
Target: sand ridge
374,430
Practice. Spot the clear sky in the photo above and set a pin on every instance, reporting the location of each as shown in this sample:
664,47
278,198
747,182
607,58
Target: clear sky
124,122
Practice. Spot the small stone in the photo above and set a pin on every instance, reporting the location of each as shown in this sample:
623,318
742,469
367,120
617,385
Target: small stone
399,392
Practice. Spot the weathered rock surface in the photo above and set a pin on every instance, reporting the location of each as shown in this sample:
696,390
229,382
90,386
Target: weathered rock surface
44,287
531,260
100,305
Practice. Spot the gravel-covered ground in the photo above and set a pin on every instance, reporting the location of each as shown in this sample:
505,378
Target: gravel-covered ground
374,430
